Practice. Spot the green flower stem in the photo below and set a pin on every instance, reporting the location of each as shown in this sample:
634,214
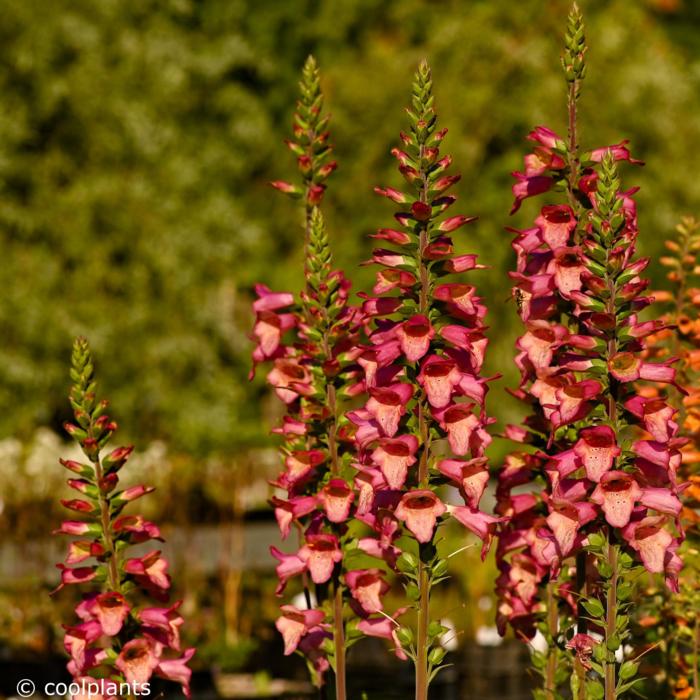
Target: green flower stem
422,679
611,621
550,683
339,642
338,622
114,578
422,671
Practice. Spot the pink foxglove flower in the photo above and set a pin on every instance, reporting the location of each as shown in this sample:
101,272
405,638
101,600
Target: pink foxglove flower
367,586
118,639
578,285
294,624
422,369
310,343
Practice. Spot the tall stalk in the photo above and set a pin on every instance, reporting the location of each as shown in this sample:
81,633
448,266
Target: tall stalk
422,371
307,344
579,292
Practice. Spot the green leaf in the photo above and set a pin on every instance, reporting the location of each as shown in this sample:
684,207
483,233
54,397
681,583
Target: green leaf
593,607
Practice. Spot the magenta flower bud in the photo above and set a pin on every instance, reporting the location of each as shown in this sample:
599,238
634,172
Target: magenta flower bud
286,188
452,223
77,505
547,138
391,193
117,457
269,300
134,492
463,263
315,194
77,527
619,152
77,467
393,236
445,182
80,550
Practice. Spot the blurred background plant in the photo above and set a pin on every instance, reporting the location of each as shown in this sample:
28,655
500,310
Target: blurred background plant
668,626
136,142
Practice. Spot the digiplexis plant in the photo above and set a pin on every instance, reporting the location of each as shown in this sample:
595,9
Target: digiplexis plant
311,345
605,499
422,370
119,637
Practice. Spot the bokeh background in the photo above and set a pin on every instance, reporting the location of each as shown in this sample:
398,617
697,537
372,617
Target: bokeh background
137,138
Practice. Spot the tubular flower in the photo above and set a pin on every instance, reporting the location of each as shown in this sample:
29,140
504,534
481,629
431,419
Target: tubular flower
582,350
422,368
310,344
117,638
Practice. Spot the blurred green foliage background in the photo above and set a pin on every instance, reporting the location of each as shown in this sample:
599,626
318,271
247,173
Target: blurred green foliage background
137,138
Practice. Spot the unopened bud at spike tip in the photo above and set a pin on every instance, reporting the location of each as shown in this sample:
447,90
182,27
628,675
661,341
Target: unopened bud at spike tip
573,60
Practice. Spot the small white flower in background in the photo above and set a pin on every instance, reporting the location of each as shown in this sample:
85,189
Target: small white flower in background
539,643
488,636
